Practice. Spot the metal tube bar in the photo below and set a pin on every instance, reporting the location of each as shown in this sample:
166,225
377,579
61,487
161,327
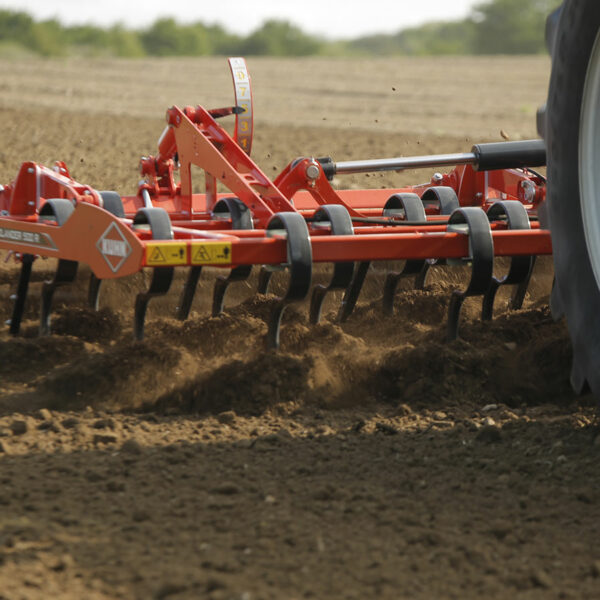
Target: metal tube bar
402,163
147,199
391,247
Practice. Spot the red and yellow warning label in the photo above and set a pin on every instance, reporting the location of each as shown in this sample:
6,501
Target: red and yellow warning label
169,254
210,253
165,254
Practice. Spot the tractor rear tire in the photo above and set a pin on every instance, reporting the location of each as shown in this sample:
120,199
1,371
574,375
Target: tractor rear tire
573,122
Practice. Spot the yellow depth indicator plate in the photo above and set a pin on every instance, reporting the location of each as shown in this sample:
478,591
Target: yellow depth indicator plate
168,254
210,253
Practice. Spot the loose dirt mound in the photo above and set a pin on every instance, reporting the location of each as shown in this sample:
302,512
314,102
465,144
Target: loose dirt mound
211,364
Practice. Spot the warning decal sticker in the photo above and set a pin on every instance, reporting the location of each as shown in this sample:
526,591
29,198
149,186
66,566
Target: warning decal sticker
157,257
165,254
211,253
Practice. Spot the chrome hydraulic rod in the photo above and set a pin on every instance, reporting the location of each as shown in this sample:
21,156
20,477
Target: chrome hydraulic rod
402,163
483,157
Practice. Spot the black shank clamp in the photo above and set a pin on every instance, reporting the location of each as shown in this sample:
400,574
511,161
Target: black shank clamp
299,262
519,272
238,213
441,198
444,201
111,201
409,207
241,218
157,219
473,222
338,218
58,210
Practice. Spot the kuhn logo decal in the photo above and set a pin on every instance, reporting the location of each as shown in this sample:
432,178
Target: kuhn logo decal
114,247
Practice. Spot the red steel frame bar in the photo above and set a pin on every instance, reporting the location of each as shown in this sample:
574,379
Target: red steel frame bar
69,242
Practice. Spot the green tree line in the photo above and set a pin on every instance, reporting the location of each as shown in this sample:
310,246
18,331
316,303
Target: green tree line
493,27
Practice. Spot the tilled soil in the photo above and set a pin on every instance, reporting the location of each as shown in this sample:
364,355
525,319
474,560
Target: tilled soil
369,459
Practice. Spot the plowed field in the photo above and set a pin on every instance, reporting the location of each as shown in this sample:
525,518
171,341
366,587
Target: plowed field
363,460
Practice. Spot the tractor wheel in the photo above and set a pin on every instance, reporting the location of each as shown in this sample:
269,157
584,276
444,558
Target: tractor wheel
573,144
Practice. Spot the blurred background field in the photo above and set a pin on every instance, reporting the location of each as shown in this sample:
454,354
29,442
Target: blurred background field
488,27
458,96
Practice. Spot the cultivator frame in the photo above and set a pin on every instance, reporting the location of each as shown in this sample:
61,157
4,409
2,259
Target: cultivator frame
485,207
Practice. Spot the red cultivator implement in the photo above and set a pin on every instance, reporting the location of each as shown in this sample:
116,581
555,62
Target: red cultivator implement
485,207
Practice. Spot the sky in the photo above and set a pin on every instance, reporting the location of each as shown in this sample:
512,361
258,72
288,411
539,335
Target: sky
329,18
